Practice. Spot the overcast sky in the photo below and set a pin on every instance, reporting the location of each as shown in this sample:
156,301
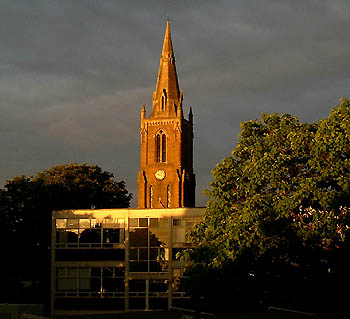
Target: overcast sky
75,73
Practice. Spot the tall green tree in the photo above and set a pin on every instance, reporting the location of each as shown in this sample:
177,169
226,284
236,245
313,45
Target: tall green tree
26,204
276,229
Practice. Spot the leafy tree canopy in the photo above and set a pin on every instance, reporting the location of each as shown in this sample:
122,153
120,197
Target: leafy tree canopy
71,186
279,206
26,204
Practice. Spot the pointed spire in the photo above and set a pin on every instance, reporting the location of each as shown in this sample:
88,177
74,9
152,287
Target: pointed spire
167,44
167,93
143,112
180,113
190,115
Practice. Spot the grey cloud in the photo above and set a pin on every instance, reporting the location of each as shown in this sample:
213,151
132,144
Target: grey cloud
74,74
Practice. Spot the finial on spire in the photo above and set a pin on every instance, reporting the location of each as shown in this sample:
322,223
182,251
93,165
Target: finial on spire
190,115
179,111
167,43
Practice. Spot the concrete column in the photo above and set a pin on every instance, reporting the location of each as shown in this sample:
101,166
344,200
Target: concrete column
53,264
126,280
147,295
170,263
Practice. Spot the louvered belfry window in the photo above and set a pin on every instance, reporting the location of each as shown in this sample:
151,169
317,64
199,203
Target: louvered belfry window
161,147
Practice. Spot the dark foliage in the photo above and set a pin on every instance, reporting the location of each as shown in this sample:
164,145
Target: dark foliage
277,227
26,204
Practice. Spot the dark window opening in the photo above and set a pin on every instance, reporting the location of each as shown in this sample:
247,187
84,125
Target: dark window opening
161,147
164,148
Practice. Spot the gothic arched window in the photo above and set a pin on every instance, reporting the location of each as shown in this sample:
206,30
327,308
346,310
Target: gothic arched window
168,196
163,100
161,147
151,196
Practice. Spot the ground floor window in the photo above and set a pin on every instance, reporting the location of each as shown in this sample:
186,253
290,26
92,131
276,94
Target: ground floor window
94,281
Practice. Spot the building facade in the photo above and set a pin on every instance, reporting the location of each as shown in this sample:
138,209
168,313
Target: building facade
166,178
119,259
112,260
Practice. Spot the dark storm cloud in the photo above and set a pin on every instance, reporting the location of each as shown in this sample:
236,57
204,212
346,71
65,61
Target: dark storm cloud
74,74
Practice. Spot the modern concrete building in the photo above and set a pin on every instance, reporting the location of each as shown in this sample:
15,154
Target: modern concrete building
124,259
119,259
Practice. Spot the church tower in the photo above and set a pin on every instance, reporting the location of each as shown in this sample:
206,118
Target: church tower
166,178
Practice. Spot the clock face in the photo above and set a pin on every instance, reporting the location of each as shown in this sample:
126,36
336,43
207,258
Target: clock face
160,174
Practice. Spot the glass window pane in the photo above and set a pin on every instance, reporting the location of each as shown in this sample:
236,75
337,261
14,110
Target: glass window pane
154,254
95,284
95,272
138,266
84,272
177,222
61,223
84,223
164,253
133,222
160,262
72,272
143,222
61,272
113,285
138,237
73,223
107,272
137,285
94,223
92,235
163,222
158,286
159,236
119,272
122,235
120,222
153,222
143,253
179,234
66,284
133,254
113,224
111,235
61,236
158,266
84,284
72,236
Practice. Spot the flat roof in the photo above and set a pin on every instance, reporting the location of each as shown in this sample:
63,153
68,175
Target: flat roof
130,212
